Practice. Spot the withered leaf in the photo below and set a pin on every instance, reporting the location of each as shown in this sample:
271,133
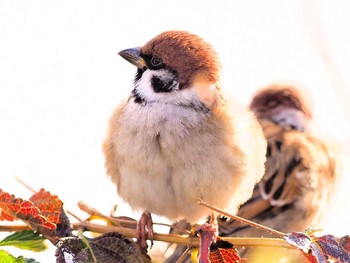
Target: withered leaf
331,248
323,249
69,248
107,248
345,243
64,228
51,207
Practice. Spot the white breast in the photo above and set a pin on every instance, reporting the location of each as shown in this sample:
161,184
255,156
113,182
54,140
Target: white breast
168,160
173,151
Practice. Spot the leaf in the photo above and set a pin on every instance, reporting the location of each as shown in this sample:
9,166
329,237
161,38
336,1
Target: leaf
329,246
321,249
43,213
6,217
26,239
114,247
69,248
223,252
345,243
28,212
64,228
107,248
8,258
51,207
4,197
300,240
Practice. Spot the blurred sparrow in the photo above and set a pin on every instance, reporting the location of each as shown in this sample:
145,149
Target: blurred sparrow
300,169
176,140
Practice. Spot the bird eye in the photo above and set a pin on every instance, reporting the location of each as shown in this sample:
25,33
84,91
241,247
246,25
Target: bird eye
156,61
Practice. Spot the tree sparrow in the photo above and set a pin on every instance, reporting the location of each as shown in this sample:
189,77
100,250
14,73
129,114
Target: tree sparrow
300,169
176,140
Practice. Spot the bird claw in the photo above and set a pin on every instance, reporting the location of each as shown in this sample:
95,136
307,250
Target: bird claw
207,234
145,230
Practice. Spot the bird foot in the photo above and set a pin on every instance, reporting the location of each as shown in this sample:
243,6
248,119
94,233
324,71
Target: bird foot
207,234
144,230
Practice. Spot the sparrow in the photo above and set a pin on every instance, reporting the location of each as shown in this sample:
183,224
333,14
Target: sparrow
299,172
176,140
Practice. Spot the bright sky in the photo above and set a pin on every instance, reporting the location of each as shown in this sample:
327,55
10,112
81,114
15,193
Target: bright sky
61,77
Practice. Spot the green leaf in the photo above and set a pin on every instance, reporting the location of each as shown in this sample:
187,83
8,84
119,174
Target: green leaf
26,239
8,258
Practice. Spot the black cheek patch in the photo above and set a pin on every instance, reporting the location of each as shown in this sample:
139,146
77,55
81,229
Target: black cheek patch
160,85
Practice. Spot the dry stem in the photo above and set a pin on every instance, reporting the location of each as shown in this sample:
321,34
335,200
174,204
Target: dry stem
185,239
242,220
119,221
169,238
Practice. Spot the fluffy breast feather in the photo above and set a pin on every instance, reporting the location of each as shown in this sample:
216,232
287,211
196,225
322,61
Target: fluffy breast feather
164,157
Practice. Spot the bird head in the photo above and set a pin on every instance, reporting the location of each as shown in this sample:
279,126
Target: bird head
284,104
175,66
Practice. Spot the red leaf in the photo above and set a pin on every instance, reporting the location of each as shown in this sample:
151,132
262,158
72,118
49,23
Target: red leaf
26,211
4,197
223,252
49,205
4,216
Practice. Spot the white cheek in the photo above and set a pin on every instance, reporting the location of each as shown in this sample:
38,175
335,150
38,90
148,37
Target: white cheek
292,117
144,86
145,90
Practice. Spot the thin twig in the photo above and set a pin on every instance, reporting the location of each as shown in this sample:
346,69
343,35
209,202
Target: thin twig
14,228
132,233
73,215
25,184
190,241
119,221
242,220
184,255
184,240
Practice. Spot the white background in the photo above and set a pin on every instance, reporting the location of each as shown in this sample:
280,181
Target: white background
61,77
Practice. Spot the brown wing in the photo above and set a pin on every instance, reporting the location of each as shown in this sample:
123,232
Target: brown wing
298,178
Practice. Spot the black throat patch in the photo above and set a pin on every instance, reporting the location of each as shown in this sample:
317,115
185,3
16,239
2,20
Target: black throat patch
161,85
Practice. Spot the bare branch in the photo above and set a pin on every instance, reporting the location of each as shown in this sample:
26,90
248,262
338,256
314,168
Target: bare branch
13,228
242,220
188,240
185,239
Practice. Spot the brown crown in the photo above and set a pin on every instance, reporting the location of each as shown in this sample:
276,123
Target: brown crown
187,54
277,95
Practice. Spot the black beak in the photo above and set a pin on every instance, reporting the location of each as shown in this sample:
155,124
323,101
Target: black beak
133,56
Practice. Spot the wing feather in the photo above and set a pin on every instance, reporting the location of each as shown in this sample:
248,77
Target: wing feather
300,172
